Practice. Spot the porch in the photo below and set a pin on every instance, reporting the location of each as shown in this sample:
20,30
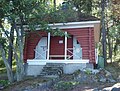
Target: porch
56,51
58,48
36,66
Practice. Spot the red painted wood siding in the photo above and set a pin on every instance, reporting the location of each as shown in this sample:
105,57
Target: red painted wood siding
57,48
31,41
85,37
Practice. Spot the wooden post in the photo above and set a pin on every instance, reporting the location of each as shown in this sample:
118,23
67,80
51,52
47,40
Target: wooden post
65,45
48,47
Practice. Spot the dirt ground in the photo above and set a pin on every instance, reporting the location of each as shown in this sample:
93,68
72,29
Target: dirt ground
114,69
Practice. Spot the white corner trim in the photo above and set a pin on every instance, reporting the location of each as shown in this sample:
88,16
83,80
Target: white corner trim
83,24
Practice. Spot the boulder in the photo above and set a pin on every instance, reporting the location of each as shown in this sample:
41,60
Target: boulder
1,86
103,80
115,87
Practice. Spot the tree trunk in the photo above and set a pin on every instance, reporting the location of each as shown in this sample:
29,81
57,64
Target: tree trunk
8,68
54,2
116,45
20,68
103,32
110,48
10,50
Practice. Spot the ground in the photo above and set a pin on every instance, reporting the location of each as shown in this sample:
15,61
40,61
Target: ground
65,83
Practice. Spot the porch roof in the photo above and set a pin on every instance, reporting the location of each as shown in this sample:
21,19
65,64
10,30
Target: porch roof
73,25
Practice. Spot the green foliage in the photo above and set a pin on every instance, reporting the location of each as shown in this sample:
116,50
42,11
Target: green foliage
4,82
65,86
87,71
1,63
84,6
115,31
3,41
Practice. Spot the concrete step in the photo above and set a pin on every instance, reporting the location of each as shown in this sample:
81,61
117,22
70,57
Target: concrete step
52,69
51,76
54,65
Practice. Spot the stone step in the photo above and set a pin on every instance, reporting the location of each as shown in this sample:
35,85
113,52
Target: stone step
52,69
51,76
54,65
48,73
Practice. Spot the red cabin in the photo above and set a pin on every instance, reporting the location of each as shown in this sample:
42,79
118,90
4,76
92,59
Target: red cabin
79,48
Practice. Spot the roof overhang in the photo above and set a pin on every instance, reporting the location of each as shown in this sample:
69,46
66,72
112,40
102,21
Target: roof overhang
73,25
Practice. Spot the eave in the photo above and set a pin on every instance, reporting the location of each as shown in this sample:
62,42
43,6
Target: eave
73,25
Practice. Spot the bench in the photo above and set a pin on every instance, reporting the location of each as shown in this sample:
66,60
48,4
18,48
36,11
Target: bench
58,56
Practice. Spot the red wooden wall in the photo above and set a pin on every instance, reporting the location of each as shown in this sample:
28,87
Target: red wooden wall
85,37
57,48
31,41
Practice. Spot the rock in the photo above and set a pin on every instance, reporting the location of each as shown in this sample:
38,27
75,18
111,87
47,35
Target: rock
89,75
95,71
95,89
111,89
28,88
102,72
82,77
1,86
118,79
115,89
108,73
102,80
107,89
111,80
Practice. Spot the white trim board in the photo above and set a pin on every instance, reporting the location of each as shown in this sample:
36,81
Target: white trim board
43,62
69,25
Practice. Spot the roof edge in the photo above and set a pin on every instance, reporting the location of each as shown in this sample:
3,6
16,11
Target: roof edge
82,24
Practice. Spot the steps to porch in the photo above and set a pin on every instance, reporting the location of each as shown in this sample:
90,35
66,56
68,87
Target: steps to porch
52,69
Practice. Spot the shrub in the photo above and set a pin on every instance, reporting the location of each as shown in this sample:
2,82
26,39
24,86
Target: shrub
65,86
4,82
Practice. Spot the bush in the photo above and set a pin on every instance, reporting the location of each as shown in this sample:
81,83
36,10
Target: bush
4,82
65,86
88,72
1,63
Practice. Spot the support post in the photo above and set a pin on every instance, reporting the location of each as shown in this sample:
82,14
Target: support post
65,45
48,46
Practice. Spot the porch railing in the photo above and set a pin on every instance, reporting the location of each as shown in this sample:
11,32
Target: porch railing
39,55
70,50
